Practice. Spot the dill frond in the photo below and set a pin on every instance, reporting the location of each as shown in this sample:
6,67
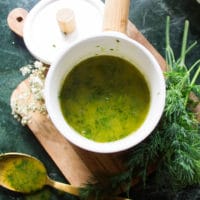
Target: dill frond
174,145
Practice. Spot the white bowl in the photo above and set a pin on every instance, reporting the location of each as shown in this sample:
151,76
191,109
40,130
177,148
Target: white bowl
126,48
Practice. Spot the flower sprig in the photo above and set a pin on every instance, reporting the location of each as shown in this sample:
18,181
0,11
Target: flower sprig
36,73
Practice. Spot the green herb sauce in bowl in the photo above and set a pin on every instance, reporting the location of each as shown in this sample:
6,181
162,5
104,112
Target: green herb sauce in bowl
105,98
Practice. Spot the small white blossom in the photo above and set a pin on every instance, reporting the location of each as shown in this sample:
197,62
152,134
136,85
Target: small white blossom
25,70
37,75
38,64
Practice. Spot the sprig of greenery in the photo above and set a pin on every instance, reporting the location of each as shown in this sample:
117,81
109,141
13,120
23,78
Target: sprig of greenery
181,133
174,146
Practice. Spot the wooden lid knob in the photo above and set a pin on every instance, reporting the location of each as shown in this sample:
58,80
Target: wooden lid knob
16,20
66,20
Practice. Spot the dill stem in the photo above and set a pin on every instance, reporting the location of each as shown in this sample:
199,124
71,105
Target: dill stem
191,47
195,75
194,65
187,75
188,49
169,54
167,41
167,30
184,44
193,80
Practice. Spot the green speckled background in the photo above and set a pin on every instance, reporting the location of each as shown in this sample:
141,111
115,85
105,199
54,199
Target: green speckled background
149,17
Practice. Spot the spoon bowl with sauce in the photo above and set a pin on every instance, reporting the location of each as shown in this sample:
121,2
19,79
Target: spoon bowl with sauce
25,174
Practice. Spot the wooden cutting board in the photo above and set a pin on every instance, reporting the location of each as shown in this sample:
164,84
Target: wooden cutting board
77,165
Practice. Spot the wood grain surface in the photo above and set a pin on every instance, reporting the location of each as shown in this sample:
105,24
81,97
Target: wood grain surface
77,165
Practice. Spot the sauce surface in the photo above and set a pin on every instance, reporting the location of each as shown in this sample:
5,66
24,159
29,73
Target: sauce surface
105,98
23,174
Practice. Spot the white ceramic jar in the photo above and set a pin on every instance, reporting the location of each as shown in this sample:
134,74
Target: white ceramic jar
101,44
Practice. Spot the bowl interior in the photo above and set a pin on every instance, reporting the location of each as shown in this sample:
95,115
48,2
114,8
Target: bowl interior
106,44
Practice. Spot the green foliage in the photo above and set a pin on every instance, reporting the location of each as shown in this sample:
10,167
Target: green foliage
174,146
181,133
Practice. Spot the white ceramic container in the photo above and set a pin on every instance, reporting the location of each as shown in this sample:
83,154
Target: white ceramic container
101,44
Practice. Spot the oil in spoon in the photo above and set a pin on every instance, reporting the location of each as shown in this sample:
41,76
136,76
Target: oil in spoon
25,174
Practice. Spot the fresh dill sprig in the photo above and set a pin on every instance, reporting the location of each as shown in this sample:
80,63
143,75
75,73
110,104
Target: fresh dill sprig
174,146
181,133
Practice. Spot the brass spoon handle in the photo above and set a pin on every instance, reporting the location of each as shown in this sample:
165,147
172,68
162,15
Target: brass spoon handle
72,189
63,187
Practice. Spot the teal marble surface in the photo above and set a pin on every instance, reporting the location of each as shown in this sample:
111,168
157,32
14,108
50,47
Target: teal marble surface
149,16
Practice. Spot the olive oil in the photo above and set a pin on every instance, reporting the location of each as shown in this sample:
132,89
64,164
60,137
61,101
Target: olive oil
105,98
23,174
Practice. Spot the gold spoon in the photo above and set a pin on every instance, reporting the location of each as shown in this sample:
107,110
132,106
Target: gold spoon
25,174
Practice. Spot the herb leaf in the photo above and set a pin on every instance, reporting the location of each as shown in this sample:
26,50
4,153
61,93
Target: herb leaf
174,146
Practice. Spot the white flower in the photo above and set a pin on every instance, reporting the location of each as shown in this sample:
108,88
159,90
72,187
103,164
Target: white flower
38,64
21,111
25,70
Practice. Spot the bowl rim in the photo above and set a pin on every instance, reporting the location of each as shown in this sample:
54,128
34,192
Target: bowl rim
109,147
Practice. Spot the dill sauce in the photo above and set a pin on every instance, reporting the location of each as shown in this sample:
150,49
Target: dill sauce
23,174
104,98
